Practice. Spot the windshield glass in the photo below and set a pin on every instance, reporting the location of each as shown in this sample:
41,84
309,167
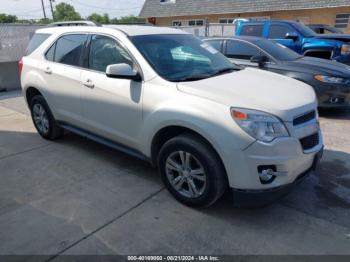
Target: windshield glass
177,57
304,30
278,51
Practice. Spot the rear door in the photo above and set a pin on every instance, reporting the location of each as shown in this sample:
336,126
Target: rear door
61,71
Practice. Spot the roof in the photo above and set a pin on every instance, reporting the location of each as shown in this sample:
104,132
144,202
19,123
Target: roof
153,8
130,30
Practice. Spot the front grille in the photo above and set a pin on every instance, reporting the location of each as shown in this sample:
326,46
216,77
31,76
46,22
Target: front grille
310,142
304,118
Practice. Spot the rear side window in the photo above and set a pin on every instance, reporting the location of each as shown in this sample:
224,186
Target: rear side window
67,50
252,30
35,42
241,50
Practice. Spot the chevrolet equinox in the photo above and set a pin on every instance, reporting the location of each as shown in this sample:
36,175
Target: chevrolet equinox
167,97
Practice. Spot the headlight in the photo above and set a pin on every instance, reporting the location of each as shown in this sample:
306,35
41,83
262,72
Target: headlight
261,126
345,49
331,79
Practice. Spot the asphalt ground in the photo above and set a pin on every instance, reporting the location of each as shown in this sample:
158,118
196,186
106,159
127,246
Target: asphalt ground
74,196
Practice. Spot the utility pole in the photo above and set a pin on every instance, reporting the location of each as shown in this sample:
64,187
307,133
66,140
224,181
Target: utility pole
42,4
53,15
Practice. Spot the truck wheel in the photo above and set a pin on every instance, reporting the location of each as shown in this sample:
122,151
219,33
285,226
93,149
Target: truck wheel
192,171
43,119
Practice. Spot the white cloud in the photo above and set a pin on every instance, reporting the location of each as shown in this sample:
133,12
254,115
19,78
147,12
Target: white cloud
32,8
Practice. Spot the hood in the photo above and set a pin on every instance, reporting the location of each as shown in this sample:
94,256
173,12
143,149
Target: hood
337,37
256,89
319,66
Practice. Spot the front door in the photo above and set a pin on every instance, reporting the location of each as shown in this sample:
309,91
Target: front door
112,107
278,32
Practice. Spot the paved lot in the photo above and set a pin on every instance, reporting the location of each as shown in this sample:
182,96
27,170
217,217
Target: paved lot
74,196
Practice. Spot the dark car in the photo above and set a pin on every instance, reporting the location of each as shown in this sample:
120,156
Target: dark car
330,79
324,29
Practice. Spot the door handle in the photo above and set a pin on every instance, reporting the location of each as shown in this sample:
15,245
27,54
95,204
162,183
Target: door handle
48,70
88,83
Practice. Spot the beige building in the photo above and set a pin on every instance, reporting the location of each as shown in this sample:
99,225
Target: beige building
197,12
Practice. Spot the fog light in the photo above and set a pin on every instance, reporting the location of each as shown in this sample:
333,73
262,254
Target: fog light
267,174
334,100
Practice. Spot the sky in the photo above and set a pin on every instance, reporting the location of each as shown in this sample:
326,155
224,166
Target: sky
32,9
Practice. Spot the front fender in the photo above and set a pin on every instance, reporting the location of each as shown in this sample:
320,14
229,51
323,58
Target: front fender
211,120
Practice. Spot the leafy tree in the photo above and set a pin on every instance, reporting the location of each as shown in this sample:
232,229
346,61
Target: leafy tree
131,19
99,18
4,18
66,12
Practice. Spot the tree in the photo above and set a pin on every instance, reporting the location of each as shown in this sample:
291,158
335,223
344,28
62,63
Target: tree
99,18
131,19
66,12
4,18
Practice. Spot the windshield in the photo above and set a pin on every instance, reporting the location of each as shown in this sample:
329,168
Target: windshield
177,57
304,30
278,51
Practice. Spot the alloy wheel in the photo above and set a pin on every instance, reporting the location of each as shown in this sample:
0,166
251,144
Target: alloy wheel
41,118
186,174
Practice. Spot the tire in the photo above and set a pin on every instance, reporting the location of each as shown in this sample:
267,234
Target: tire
43,119
210,184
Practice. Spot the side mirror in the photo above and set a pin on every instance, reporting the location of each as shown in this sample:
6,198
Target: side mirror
122,71
292,36
260,60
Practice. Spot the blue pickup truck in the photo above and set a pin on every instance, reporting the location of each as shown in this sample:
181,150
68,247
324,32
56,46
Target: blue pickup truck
299,38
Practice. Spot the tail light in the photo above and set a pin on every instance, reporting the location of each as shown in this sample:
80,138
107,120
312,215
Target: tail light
20,66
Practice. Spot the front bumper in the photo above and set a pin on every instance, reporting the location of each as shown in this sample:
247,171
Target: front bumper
259,198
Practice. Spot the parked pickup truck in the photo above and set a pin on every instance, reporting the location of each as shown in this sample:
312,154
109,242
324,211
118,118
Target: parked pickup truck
300,38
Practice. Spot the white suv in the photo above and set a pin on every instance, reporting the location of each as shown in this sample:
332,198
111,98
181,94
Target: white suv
165,96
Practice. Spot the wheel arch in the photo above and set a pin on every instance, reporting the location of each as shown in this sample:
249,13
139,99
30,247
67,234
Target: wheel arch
168,132
30,92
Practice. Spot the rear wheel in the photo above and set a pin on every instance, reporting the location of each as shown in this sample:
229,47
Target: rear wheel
192,171
43,119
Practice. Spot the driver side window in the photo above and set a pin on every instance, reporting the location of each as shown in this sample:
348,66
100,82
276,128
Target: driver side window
280,31
105,51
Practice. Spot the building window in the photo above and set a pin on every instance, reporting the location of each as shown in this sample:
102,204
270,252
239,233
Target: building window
226,20
177,23
196,22
342,20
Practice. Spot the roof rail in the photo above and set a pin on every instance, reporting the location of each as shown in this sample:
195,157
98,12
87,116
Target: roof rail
74,23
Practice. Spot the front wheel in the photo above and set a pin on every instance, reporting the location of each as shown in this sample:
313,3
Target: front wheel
192,171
